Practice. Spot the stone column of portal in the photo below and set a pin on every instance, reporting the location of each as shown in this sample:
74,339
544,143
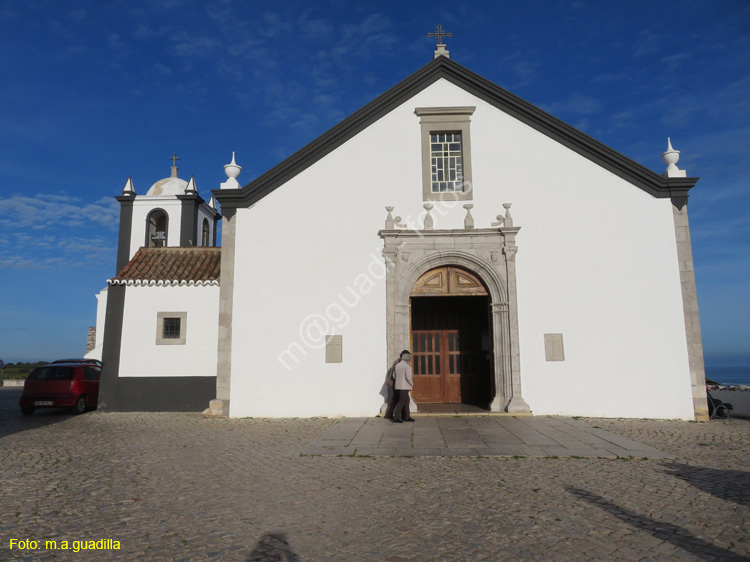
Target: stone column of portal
516,404
501,342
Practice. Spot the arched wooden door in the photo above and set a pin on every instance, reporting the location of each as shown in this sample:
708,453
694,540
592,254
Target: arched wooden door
449,362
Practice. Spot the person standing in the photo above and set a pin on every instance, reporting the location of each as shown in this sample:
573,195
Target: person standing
403,385
391,394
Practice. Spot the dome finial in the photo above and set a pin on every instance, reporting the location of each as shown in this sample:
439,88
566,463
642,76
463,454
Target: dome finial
174,158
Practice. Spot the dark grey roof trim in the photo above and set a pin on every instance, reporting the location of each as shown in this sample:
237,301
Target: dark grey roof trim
442,67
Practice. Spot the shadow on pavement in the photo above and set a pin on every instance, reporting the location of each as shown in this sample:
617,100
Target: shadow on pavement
729,485
13,421
665,531
273,547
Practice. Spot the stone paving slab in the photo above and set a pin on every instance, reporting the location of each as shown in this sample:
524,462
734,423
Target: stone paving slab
463,436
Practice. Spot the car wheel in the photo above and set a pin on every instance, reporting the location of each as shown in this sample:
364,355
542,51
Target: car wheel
27,410
80,406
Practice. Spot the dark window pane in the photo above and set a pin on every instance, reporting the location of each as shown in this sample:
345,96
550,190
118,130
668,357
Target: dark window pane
52,374
171,328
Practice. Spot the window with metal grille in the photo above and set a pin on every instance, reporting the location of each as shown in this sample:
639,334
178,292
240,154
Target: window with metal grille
171,329
446,153
446,162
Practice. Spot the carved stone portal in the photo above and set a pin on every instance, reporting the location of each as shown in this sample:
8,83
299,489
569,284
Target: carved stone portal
489,254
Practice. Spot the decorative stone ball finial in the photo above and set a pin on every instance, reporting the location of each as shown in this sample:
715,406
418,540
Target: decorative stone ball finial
232,170
468,220
508,218
670,158
389,222
428,220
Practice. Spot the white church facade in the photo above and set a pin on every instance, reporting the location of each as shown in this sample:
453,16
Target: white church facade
528,267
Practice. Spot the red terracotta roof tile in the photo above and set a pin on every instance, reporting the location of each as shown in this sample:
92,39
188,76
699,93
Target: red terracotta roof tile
172,265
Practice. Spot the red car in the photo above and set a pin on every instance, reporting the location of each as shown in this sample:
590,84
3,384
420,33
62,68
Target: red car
61,385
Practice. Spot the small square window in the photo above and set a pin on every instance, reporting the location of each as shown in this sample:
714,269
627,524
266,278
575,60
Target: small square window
171,328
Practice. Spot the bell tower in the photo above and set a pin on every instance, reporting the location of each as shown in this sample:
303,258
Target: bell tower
170,214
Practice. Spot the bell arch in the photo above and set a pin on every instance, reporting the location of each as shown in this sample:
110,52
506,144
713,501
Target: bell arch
157,228
490,256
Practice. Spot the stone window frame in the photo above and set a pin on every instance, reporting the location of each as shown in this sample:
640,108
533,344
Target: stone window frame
446,120
160,318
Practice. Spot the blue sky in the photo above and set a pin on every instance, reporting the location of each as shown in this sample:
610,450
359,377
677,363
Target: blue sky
94,92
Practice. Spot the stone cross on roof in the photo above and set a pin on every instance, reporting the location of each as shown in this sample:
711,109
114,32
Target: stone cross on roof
440,50
439,34
174,160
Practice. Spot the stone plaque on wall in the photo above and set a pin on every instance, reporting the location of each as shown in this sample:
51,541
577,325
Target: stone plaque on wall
334,349
553,347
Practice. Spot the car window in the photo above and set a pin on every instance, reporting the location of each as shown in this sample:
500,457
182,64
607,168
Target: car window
91,374
51,373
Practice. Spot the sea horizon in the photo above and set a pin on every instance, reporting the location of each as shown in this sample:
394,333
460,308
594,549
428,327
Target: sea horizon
729,375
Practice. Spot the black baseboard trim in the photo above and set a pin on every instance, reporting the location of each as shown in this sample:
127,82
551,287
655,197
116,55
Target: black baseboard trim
165,394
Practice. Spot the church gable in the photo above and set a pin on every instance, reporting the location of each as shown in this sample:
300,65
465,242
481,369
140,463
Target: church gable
446,69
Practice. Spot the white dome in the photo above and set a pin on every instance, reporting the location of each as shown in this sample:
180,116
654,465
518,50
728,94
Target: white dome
168,186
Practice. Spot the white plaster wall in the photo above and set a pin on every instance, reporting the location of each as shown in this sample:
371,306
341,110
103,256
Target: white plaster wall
101,314
142,207
141,357
597,262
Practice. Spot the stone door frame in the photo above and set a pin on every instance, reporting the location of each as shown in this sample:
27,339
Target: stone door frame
487,253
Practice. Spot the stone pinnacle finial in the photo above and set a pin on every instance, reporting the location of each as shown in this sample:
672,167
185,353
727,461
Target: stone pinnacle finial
670,158
191,189
128,189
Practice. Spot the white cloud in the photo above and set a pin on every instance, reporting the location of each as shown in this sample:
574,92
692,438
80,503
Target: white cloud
51,211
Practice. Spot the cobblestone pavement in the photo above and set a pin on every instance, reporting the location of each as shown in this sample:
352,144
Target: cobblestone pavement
180,487
473,436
